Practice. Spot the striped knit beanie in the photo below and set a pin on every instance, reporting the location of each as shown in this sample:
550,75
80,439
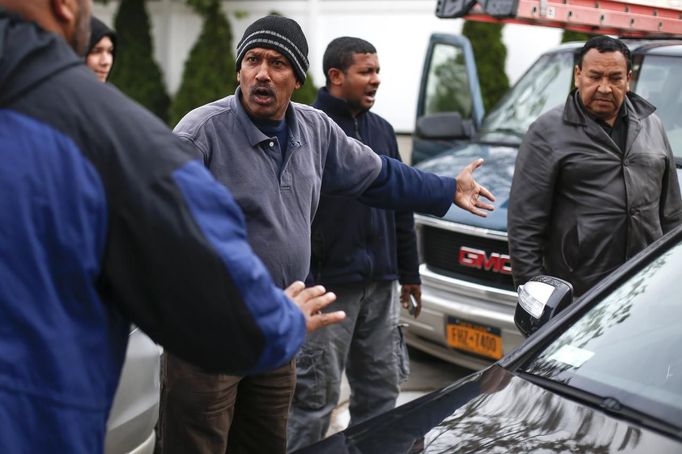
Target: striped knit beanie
281,34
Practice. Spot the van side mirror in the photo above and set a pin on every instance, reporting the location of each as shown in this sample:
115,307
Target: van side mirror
540,299
444,126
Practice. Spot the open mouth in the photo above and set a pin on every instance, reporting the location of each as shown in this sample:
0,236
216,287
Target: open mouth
370,95
262,95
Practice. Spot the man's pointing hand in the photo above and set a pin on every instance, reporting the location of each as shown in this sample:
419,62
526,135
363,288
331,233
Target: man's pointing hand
468,193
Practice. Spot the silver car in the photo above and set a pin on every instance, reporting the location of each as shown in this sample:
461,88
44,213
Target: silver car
135,411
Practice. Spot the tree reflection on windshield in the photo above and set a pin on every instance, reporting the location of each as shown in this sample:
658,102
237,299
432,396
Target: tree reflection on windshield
447,87
544,86
626,346
526,419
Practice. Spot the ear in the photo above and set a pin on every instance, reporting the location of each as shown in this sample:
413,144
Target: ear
336,76
238,72
576,74
298,85
627,82
64,11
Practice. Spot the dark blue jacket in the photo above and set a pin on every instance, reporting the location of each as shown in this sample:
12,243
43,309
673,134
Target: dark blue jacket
351,241
105,218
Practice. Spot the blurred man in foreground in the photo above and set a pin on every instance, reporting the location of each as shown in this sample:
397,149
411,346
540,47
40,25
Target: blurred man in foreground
106,219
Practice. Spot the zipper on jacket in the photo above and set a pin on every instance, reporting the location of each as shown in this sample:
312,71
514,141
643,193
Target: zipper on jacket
357,129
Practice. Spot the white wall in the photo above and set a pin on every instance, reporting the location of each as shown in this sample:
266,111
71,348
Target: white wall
399,29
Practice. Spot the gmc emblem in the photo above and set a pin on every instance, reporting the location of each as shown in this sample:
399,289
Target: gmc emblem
476,258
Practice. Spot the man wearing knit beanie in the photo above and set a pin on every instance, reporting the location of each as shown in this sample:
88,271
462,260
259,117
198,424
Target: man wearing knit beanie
277,157
281,34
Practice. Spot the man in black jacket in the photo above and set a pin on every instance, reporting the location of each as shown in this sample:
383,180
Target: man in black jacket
360,252
595,180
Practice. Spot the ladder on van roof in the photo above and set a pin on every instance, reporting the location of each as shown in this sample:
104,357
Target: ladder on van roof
608,17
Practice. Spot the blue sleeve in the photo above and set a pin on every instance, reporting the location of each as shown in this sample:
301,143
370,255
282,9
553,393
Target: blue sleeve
406,239
401,187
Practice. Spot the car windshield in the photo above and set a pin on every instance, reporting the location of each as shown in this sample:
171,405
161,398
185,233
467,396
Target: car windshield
627,346
545,85
660,83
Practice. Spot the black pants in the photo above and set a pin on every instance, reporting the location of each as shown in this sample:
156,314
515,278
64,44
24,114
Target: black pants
217,414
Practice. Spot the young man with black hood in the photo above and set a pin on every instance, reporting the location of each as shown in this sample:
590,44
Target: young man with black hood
101,52
359,251
277,157
105,219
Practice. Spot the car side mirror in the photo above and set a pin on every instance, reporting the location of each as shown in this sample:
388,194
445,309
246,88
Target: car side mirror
443,126
540,299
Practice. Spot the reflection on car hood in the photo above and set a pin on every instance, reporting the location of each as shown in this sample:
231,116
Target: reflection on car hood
496,175
494,411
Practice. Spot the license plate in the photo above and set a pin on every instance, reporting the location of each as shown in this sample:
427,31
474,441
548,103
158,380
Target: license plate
470,337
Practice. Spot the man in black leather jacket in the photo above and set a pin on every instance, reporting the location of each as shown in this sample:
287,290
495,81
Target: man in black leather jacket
595,180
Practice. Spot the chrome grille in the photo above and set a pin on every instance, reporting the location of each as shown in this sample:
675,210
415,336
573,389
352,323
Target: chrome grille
441,251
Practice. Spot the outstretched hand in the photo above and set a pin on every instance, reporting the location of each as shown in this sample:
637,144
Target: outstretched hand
311,300
468,193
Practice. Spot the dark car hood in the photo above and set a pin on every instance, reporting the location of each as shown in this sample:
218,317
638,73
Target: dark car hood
494,411
496,175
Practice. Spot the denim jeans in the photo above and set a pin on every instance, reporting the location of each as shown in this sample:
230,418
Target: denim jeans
368,344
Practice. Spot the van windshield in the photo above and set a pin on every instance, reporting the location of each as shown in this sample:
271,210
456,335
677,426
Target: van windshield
660,83
545,85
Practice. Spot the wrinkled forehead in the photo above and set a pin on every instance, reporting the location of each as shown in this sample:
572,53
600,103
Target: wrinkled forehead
365,58
611,61
264,53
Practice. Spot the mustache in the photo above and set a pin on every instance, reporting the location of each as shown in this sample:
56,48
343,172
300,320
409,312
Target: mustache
603,98
261,90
